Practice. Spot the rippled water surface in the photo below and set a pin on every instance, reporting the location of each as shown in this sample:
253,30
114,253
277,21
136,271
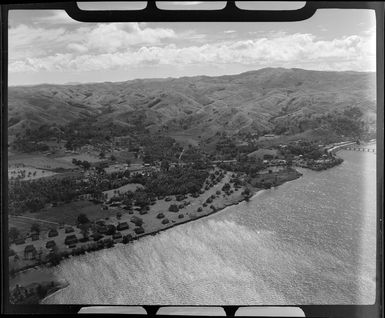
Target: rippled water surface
309,241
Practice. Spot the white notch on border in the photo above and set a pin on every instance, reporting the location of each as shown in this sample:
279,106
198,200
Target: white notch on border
128,310
111,5
269,312
270,5
191,5
192,311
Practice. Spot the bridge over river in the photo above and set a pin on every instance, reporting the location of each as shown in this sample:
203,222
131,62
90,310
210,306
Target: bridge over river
352,146
357,148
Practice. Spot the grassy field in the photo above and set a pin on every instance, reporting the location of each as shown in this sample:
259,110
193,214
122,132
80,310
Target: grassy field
31,173
128,187
83,157
24,225
68,213
185,139
38,161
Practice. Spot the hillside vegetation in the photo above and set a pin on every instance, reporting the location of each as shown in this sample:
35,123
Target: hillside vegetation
270,100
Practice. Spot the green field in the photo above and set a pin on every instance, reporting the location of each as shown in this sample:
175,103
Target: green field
63,214
38,161
24,225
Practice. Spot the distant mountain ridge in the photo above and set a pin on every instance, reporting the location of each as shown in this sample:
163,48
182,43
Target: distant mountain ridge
267,100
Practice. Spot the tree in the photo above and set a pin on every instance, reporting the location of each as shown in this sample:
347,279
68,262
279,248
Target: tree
13,234
165,165
111,229
35,227
112,158
54,257
226,187
86,165
84,230
83,219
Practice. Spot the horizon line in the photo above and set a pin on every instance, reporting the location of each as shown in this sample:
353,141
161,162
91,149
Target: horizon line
193,76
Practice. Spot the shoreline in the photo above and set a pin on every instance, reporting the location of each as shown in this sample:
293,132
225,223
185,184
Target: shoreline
254,193
154,233
222,202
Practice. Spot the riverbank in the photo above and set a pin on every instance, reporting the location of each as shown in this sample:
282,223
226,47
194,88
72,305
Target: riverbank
211,201
300,242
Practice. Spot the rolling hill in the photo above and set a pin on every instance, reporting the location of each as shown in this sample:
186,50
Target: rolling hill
283,101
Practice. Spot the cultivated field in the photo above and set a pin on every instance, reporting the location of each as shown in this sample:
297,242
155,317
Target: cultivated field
68,212
128,187
38,161
28,173
24,224
82,156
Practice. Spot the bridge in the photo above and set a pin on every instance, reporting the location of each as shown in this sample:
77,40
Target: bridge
353,148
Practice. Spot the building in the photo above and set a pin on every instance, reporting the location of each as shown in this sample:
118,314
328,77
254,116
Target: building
122,226
53,233
50,244
117,237
35,237
69,229
30,252
70,240
19,241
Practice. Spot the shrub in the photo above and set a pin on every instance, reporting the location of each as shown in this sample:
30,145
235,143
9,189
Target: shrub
139,230
137,221
165,221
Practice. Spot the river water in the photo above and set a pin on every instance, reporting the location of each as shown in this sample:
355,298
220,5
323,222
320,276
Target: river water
309,241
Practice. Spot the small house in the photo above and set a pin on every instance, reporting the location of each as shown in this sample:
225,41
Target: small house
102,229
143,211
30,252
136,220
19,241
180,197
117,236
122,226
96,236
139,230
71,240
53,233
50,244
69,229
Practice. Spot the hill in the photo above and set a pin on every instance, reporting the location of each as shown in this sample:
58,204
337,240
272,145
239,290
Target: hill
276,100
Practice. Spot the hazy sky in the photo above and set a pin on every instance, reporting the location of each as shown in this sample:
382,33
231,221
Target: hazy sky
47,46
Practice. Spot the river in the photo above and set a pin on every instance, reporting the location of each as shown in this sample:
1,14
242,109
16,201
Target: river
309,241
